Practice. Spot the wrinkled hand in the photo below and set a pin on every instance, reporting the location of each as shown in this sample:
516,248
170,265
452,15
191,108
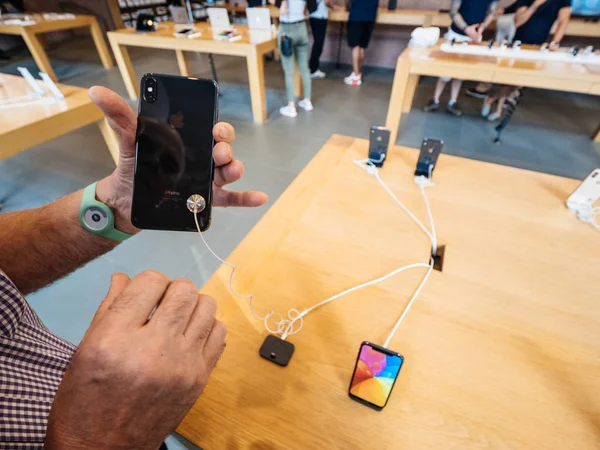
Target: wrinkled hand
474,32
116,190
133,379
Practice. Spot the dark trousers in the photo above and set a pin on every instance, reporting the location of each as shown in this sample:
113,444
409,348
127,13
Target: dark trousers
319,31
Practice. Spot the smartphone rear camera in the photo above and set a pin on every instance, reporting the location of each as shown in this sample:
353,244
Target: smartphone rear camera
150,90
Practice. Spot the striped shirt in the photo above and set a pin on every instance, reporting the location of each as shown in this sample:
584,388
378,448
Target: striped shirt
32,364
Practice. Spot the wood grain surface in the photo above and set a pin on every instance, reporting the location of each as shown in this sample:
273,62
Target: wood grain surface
502,348
24,127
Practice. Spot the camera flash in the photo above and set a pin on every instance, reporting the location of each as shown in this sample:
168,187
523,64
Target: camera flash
150,89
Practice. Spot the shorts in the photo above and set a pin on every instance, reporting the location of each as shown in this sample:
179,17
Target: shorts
359,34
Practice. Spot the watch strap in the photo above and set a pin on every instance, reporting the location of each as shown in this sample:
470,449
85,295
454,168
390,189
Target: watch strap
110,232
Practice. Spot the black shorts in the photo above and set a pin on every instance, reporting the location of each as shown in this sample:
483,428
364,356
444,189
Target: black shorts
359,33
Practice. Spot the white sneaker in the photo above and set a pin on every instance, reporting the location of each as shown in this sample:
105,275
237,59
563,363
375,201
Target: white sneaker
289,111
318,74
306,105
353,79
493,117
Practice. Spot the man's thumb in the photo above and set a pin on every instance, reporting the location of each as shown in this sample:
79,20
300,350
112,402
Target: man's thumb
120,116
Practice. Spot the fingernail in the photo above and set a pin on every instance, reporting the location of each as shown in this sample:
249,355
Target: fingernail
223,132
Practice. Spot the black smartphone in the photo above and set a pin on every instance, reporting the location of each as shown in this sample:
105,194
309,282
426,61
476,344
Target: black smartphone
379,141
430,152
375,374
174,152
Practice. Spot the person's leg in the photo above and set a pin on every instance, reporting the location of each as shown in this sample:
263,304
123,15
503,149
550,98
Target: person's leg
434,103
455,90
361,58
356,63
287,63
452,107
354,35
319,30
301,52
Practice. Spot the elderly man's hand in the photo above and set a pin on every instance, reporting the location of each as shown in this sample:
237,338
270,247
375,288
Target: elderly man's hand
116,190
138,369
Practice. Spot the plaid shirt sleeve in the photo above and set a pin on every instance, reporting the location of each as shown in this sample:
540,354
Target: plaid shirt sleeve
32,364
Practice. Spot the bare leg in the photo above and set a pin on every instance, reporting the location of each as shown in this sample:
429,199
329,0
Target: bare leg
500,108
356,64
362,58
456,84
439,89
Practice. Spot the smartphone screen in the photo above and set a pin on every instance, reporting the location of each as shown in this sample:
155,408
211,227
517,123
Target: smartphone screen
174,152
375,374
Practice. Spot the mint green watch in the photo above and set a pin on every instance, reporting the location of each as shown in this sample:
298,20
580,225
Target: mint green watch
98,218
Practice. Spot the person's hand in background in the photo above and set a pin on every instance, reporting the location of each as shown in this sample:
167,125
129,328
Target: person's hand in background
133,378
116,190
553,46
475,32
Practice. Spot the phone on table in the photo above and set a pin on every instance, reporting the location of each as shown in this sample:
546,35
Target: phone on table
379,141
587,193
184,32
375,374
430,152
174,152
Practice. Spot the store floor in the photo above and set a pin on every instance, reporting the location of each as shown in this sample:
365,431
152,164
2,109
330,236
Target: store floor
549,133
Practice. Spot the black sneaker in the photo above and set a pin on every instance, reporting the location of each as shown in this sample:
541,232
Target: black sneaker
473,92
454,110
431,106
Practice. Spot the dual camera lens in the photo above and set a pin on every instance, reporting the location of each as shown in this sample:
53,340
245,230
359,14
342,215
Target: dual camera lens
150,90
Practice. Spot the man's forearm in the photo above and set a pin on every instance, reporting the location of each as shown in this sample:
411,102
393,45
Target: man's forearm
523,15
491,14
38,246
455,15
564,16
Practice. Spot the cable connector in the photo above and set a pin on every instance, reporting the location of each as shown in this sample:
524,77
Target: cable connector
437,256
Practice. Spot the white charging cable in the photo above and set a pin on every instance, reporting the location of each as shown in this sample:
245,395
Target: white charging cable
587,214
294,322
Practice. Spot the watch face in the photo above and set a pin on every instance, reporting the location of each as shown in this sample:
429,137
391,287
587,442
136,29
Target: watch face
95,218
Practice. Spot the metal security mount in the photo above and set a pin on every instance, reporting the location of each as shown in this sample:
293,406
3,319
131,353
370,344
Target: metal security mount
196,203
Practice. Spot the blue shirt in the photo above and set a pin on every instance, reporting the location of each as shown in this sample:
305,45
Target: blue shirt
537,29
363,10
473,11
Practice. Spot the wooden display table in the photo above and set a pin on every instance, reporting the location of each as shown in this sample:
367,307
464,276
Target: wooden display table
252,46
501,347
415,62
27,126
427,18
30,36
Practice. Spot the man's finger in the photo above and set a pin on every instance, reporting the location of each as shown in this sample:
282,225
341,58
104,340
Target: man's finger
226,198
223,132
202,321
222,154
229,173
118,283
175,310
120,116
215,345
138,299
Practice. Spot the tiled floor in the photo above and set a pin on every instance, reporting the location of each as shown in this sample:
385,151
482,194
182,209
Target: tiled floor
550,133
